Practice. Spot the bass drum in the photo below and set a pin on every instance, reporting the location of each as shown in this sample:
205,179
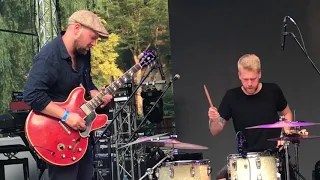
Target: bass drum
185,170
253,166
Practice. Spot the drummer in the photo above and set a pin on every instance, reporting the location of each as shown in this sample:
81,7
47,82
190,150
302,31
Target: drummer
254,103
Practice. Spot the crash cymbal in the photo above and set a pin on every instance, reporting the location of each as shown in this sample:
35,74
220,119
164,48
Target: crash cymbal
282,124
293,138
143,139
174,144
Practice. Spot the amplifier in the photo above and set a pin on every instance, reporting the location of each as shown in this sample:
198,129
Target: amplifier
123,93
18,106
16,96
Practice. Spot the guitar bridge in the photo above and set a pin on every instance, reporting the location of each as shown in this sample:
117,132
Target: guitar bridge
85,109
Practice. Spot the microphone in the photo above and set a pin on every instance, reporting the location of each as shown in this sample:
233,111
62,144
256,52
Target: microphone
284,33
242,145
291,20
175,77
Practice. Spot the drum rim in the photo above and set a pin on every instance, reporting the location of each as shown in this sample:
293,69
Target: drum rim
250,155
186,162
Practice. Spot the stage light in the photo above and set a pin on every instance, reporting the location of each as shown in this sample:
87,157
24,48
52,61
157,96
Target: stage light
150,97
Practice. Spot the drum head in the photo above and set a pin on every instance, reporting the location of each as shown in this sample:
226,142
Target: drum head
186,162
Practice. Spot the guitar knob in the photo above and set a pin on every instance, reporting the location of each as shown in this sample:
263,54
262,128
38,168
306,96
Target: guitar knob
69,147
73,158
79,149
63,156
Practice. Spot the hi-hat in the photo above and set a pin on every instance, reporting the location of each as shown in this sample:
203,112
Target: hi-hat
283,124
293,138
144,139
175,144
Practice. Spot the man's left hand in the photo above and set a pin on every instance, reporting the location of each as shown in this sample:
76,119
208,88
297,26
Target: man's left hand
106,99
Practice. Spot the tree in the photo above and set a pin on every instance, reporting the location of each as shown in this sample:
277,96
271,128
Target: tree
17,50
104,61
140,24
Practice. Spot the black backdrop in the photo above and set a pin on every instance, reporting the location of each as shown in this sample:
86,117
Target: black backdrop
208,37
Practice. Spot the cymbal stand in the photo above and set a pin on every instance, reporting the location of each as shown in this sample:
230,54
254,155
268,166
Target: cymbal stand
286,144
296,144
150,171
296,166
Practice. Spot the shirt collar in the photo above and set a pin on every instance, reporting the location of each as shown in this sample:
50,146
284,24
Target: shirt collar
63,50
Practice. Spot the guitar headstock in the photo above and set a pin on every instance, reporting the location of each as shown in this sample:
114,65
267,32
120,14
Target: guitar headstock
147,58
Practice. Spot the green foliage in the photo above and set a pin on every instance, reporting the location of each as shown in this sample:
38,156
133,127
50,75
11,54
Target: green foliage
68,7
104,61
135,25
141,25
17,49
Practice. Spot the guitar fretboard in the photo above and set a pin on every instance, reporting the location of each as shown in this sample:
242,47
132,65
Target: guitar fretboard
114,86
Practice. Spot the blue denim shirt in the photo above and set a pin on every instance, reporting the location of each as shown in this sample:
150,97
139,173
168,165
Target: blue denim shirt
52,78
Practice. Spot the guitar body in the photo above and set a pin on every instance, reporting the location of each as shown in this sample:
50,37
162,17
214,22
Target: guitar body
55,141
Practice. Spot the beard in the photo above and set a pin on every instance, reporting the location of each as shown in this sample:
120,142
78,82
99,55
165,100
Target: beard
78,49
251,90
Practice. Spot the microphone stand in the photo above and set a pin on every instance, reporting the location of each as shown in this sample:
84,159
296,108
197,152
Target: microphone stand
303,50
154,105
125,104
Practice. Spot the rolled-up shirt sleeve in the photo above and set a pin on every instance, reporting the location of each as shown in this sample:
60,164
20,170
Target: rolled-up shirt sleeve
42,76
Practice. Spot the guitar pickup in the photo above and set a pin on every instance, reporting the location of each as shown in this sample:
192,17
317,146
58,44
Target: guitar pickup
85,109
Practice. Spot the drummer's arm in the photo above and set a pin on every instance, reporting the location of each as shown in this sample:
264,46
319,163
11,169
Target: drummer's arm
287,116
216,126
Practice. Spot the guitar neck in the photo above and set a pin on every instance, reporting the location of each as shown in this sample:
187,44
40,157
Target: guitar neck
114,86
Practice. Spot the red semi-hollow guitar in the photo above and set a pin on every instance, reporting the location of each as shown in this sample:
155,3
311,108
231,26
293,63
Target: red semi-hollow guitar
57,143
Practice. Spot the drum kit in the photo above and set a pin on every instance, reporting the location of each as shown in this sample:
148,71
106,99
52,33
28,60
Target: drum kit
255,165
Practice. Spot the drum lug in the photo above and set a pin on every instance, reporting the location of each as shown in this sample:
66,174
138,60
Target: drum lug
157,172
278,163
209,170
278,176
235,178
258,163
150,172
259,177
171,171
234,165
192,172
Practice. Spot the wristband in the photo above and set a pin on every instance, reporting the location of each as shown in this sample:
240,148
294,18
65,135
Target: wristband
65,116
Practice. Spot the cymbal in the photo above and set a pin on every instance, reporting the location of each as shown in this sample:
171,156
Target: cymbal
175,144
143,139
282,124
293,138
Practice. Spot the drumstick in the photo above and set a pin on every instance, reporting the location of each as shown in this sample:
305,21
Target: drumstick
208,96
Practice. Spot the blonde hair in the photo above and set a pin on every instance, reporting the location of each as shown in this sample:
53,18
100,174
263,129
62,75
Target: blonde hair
249,62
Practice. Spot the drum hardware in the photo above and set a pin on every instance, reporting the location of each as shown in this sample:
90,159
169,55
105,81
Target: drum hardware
255,165
192,171
171,171
286,144
149,173
283,124
287,138
177,170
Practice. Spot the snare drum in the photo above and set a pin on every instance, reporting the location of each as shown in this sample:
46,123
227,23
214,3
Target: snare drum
185,170
254,166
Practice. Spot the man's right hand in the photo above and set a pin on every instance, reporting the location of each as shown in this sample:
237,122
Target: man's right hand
213,113
75,121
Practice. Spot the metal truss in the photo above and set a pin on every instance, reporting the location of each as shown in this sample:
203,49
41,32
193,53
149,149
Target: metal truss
47,21
127,159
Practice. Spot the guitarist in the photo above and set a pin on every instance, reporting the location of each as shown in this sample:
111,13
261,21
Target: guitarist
60,66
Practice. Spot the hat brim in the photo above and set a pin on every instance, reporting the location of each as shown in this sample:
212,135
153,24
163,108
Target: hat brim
103,35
